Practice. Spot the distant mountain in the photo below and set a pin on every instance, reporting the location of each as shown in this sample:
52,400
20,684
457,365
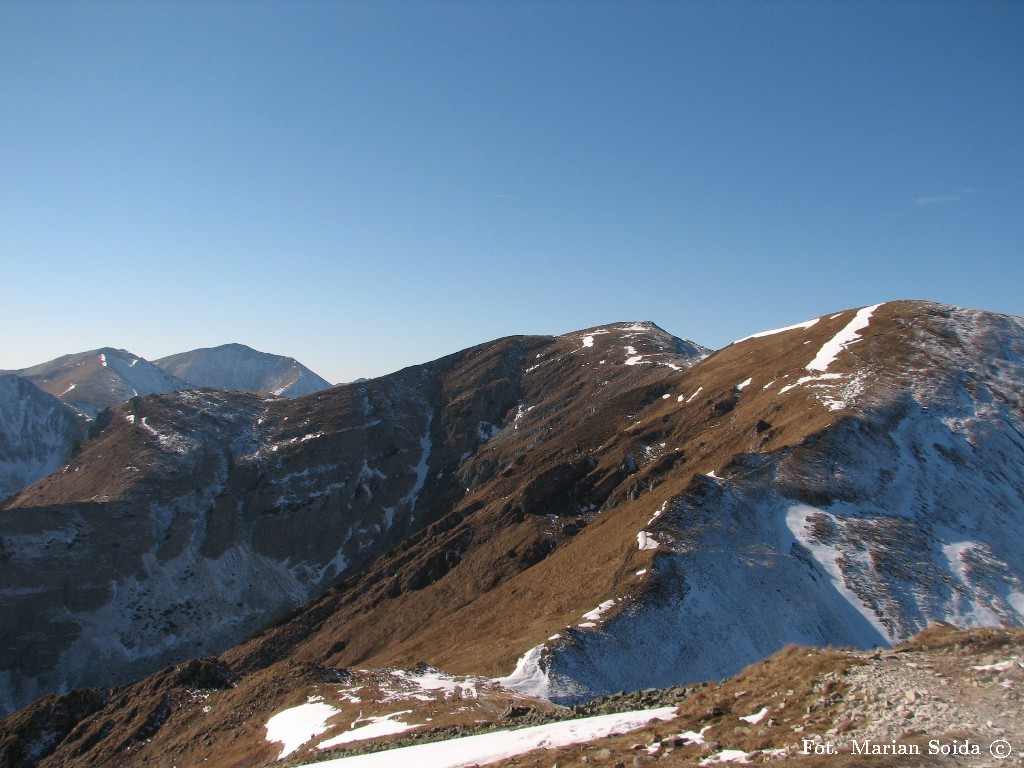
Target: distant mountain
236,366
89,382
101,378
37,433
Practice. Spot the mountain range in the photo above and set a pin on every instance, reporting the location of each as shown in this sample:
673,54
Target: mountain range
88,383
552,518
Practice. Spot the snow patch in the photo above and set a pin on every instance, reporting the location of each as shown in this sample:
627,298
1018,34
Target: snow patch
502,745
849,335
381,725
595,614
430,679
810,379
645,540
294,727
530,675
1001,666
728,756
806,324
755,718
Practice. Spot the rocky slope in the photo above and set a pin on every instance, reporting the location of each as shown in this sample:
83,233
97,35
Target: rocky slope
37,433
195,518
236,366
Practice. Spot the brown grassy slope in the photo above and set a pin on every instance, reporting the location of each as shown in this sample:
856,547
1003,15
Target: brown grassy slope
499,591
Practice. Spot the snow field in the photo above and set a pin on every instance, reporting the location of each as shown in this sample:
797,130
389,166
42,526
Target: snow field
501,745
645,540
294,727
297,726
381,725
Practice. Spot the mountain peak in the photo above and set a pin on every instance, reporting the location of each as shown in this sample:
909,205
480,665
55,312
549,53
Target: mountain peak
237,366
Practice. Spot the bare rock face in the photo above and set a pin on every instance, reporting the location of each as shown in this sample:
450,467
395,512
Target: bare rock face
37,433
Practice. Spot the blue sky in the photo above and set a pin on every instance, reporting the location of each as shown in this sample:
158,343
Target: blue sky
367,186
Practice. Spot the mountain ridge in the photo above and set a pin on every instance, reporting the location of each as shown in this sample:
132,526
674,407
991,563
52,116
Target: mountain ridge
606,510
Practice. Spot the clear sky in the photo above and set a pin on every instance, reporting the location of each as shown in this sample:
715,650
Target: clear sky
370,185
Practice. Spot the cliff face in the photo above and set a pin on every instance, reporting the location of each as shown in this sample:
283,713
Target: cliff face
37,433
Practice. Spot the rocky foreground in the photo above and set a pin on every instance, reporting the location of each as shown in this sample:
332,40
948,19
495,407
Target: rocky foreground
946,697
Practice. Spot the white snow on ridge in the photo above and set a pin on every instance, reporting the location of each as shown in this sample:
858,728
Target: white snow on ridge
501,745
595,614
933,485
530,676
808,379
588,341
805,324
850,334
